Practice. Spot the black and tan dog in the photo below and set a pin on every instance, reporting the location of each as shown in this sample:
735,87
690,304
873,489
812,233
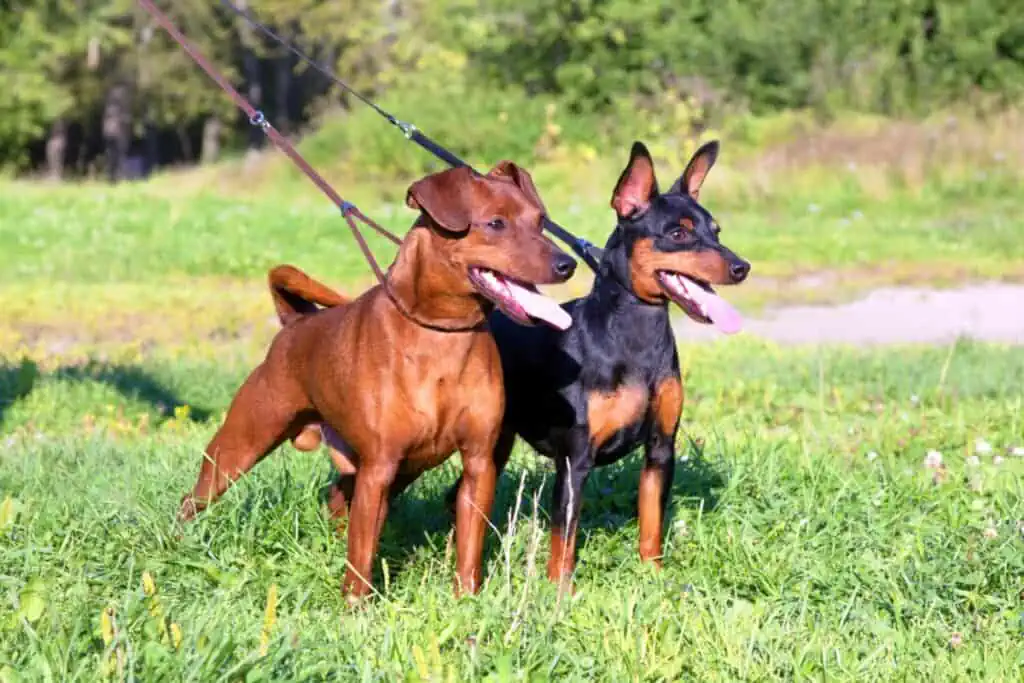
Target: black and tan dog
593,394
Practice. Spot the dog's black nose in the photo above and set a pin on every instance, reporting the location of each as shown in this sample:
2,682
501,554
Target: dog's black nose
739,270
564,266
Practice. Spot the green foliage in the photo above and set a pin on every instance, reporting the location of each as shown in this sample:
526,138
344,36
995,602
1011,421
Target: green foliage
620,65
889,56
216,236
31,96
481,126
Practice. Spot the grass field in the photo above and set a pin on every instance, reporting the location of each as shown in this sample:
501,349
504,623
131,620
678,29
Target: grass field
89,263
809,538
814,535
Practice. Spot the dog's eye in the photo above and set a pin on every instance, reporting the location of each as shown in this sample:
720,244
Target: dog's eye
680,235
496,224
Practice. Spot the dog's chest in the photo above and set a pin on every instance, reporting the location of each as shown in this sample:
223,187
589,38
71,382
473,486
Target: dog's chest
620,394
614,410
450,403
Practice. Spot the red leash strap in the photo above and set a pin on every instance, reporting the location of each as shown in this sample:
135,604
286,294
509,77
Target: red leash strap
257,118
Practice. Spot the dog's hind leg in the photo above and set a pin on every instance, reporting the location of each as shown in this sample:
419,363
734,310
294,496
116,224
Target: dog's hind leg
344,460
257,422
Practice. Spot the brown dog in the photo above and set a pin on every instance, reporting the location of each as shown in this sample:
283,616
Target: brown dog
408,372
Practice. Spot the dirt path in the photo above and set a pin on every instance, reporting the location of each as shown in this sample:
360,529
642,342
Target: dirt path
988,312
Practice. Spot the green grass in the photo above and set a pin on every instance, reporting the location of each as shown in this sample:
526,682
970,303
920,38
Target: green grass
791,553
96,234
154,263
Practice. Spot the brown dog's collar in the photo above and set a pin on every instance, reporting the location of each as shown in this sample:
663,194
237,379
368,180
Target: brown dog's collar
458,327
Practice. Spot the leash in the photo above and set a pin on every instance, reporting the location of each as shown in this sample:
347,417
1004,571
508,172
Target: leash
350,212
587,251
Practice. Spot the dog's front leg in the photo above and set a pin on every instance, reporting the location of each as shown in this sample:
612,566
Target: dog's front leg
472,513
659,467
502,451
366,517
655,492
572,468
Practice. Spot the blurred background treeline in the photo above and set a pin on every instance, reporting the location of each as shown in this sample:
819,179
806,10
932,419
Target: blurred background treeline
93,88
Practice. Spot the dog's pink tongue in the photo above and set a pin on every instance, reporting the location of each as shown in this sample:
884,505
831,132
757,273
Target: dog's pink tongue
539,306
726,318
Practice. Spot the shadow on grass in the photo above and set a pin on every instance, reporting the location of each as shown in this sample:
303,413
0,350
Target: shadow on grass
132,381
419,517
18,380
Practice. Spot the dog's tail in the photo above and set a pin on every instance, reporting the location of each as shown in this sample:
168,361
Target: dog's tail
296,294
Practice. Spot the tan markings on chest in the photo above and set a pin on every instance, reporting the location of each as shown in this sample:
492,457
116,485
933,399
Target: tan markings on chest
608,412
667,404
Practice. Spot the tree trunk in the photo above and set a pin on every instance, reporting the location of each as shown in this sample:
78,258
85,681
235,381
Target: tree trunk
210,151
55,149
283,65
116,131
186,143
251,68
391,13
252,73
150,148
150,140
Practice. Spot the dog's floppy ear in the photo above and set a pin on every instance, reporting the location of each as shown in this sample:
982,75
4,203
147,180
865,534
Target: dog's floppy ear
444,197
637,185
522,179
697,170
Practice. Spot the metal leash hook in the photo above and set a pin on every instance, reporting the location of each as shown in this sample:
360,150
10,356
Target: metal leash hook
407,129
259,120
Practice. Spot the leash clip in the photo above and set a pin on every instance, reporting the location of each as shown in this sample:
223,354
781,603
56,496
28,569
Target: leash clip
590,249
258,120
347,207
407,129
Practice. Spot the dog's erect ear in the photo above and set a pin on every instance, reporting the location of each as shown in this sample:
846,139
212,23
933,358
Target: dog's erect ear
696,171
522,179
637,185
445,197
